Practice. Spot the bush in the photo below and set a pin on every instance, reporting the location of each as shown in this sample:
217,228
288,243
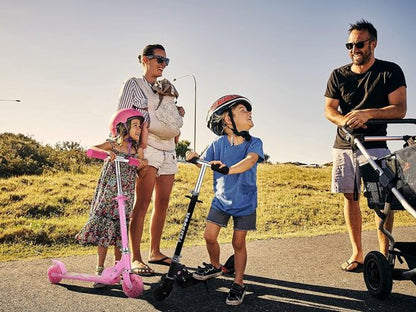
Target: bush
21,155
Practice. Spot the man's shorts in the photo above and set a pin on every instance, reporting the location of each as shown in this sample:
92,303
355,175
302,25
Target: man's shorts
346,167
164,161
241,223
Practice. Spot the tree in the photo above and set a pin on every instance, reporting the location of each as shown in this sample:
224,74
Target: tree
266,158
181,148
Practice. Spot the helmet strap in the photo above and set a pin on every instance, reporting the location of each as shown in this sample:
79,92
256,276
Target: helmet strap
130,142
245,134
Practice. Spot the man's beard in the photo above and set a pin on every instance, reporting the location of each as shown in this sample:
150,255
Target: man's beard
362,60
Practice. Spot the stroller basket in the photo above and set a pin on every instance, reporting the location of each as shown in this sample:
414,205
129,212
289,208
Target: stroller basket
408,251
401,165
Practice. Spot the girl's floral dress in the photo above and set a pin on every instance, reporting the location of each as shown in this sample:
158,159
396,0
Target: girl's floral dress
103,226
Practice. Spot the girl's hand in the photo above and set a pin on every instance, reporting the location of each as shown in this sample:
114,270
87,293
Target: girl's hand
112,155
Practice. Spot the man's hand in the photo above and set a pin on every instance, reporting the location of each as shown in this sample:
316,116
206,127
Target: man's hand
356,119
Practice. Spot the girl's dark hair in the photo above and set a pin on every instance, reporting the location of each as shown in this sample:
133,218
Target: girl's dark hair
364,25
123,131
149,49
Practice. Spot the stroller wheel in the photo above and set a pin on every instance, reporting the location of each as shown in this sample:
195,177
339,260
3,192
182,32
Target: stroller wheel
378,275
228,267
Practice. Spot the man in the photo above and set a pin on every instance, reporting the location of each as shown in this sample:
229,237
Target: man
367,88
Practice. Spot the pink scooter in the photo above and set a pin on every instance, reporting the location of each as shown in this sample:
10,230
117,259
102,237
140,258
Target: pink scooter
132,284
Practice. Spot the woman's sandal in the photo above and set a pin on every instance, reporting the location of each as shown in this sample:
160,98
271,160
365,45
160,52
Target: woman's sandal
141,269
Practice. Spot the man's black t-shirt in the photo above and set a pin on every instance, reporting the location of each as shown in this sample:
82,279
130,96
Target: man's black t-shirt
361,91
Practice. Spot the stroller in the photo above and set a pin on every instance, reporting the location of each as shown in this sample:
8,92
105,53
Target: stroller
389,184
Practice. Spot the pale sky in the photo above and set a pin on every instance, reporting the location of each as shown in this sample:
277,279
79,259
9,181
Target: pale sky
67,61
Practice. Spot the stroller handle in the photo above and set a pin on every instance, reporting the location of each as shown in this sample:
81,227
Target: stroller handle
391,121
103,155
215,167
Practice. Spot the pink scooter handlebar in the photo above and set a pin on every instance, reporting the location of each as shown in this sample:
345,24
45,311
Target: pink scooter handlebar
103,155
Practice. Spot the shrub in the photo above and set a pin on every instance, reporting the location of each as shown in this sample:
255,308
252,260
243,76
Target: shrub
21,155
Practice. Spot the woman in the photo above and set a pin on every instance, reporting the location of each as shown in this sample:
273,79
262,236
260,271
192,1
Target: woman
160,152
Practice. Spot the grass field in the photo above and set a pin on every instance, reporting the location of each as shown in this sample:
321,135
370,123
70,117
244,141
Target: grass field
40,215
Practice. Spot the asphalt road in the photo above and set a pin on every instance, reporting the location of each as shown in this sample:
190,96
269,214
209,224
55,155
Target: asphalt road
294,274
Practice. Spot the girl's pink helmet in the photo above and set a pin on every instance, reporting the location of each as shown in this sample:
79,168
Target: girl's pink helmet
122,116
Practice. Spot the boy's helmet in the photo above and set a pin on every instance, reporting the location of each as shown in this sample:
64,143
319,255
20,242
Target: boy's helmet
122,116
222,105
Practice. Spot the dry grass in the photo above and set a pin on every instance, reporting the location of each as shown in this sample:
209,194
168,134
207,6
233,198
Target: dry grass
39,215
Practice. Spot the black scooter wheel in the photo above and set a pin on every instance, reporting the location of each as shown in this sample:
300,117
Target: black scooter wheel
163,290
378,275
228,267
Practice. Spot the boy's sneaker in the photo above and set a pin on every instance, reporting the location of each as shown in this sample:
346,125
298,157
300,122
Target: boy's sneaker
236,294
206,272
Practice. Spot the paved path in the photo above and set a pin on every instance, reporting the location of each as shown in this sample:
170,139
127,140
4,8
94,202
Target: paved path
294,274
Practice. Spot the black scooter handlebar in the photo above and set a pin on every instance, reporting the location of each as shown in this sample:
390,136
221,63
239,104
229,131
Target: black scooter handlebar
215,167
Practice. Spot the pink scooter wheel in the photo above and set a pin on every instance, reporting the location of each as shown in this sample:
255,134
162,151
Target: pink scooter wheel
57,270
137,288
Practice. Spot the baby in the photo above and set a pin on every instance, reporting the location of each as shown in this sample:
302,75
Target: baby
167,111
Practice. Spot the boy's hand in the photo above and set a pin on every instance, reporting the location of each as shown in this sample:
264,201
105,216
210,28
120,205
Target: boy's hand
190,154
218,163
221,168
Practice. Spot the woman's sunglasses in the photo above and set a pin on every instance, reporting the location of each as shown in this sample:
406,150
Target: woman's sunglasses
159,59
358,45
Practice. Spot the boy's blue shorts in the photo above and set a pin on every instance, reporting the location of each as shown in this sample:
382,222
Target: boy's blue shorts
241,223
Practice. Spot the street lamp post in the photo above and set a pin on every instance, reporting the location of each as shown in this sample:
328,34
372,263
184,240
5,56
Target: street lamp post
6,100
193,77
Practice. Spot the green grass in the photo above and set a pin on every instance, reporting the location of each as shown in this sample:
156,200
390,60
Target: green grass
40,215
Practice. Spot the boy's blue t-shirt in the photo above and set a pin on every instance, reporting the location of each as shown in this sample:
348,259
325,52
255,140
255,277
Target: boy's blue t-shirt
235,194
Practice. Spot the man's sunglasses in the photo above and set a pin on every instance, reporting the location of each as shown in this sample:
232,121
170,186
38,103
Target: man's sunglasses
159,59
358,45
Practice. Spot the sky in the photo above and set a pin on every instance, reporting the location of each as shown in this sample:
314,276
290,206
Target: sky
66,61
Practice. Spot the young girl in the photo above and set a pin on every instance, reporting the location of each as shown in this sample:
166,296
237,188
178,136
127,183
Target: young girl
103,227
235,193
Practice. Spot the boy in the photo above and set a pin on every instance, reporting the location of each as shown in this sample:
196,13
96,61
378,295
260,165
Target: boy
235,193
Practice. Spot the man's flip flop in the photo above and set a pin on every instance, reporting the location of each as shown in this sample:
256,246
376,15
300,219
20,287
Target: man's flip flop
161,261
357,269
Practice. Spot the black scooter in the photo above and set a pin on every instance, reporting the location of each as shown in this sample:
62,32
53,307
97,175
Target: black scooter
177,271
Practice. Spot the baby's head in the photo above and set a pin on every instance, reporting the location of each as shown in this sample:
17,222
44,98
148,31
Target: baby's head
165,88
230,113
